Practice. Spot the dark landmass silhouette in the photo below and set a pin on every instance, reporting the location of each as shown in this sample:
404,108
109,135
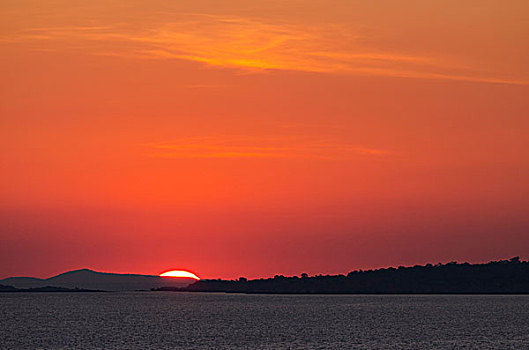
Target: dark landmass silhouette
47,289
496,277
88,279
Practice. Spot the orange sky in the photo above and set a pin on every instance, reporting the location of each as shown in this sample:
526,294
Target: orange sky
256,138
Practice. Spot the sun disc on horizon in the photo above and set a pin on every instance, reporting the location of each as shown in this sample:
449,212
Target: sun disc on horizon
180,274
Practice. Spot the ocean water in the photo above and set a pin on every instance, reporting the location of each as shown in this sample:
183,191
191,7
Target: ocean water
165,320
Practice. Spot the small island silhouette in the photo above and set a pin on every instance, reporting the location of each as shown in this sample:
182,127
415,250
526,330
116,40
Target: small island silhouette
495,277
46,289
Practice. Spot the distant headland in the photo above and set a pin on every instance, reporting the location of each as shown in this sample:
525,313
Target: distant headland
495,277
86,279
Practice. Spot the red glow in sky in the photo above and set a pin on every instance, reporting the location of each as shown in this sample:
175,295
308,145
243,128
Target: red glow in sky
261,138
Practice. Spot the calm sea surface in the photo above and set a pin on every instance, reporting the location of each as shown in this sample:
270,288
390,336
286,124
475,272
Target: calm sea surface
149,320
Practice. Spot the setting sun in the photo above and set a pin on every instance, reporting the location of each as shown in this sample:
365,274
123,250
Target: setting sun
180,273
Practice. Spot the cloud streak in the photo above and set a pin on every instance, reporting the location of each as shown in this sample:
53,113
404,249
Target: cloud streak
258,45
273,147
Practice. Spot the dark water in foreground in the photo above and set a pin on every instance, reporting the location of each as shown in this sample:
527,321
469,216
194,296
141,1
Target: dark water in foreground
217,321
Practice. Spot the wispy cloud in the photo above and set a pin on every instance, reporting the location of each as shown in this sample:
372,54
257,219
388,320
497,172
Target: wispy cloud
258,45
238,42
271,147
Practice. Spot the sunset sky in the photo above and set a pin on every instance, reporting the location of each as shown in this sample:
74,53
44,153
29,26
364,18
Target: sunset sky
254,138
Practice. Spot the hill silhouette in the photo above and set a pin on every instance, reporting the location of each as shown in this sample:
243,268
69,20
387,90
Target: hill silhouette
496,277
89,279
